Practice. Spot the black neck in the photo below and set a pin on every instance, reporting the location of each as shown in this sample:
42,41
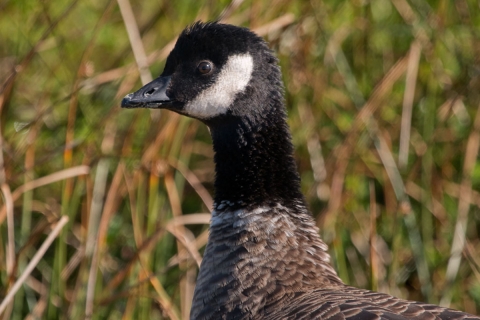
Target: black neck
254,162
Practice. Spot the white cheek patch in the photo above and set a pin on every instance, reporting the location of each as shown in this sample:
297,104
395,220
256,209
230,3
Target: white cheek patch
215,100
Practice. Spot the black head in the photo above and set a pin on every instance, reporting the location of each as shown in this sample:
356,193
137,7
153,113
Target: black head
215,71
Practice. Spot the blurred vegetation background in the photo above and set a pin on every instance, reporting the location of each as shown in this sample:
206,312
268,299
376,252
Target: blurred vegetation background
104,211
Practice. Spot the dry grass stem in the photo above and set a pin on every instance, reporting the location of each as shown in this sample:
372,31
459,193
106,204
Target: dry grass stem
200,242
111,203
275,25
8,199
164,299
33,263
314,147
410,83
373,237
229,10
91,247
364,118
465,196
135,40
194,182
51,178
192,218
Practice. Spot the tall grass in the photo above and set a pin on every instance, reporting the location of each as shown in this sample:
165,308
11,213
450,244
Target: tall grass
384,106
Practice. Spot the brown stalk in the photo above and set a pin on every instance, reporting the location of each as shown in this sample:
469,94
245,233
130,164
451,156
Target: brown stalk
40,307
453,189
163,298
8,199
96,208
274,25
363,118
8,85
110,206
161,54
194,181
199,242
54,177
317,162
122,274
167,130
73,263
192,218
186,288
135,40
186,240
464,200
8,205
35,260
373,237
410,83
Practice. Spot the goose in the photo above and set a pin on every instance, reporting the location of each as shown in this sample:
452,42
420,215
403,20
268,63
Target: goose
264,258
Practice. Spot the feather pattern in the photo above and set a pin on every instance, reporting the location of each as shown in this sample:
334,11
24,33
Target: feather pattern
268,263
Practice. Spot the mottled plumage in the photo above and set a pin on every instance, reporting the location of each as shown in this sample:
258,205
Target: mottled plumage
264,258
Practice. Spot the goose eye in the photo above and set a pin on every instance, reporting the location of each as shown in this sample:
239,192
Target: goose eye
204,67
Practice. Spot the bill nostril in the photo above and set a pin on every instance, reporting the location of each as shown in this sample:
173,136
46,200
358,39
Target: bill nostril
150,92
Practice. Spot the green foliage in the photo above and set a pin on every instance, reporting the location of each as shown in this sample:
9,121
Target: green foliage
65,65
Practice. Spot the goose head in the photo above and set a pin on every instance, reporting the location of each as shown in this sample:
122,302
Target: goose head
215,71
